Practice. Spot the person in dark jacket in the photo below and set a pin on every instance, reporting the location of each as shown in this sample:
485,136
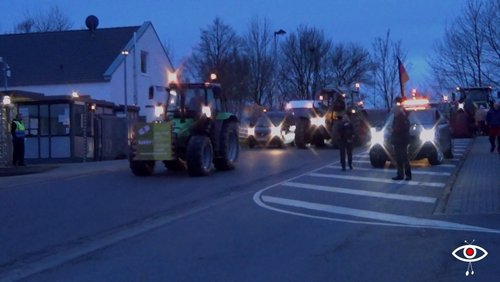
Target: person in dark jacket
400,139
493,123
17,130
339,104
346,136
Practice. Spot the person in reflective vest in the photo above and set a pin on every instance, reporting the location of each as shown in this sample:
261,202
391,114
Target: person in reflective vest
18,132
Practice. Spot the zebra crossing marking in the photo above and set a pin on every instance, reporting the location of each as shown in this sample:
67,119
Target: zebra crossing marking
424,172
385,219
375,179
334,189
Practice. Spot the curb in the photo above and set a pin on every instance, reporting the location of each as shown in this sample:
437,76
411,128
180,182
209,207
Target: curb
13,171
443,200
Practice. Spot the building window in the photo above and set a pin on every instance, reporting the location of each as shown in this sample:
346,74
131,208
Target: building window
44,120
59,119
30,118
144,61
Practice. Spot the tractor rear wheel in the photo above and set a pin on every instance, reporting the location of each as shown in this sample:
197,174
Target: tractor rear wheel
229,147
199,156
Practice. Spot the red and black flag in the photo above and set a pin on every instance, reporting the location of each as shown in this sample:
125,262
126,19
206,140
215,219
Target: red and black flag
403,77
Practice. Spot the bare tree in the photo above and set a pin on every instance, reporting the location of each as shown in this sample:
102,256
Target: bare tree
386,78
468,55
52,20
219,52
259,53
305,54
350,63
492,48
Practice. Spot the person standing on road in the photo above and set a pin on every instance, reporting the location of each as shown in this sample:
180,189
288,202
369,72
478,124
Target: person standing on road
493,122
17,130
400,138
346,137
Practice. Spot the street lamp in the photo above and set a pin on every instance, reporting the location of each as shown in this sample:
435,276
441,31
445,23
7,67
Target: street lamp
213,76
357,86
125,54
274,82
5,149
278,32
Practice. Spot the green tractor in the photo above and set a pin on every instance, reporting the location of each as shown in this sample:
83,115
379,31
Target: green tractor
194,131
338,105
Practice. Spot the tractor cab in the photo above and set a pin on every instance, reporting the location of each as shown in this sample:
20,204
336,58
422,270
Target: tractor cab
193,100
338,104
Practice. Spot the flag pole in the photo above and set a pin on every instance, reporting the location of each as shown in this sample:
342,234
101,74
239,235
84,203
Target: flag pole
403,77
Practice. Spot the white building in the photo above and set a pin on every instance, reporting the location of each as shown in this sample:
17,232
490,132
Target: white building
89,62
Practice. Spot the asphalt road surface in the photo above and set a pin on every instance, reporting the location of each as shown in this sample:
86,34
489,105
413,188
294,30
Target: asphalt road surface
282,215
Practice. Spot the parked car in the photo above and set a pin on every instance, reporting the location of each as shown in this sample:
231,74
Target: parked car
430,136
273,128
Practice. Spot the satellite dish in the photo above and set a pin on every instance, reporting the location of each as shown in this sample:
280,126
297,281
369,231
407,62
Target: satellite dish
92,22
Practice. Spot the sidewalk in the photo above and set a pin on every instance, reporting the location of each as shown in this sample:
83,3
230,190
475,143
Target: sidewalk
476,189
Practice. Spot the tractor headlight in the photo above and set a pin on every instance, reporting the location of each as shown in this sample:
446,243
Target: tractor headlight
292,128
377,136
207,111
427,135
159,110
318,121
275,131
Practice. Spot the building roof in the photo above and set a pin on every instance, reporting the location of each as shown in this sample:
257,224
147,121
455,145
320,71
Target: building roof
74,56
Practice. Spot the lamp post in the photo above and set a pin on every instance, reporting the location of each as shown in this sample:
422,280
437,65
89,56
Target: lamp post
357,86
276,33
275,50
4,117
125,54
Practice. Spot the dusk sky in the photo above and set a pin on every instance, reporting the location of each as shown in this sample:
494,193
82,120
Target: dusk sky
418,23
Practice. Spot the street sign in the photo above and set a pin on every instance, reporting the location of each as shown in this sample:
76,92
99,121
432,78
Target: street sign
153,141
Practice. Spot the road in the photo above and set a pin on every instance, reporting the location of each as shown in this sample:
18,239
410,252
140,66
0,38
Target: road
282,215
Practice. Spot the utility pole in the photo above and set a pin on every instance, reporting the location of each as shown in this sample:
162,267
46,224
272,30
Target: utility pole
5,147
275,56
127,122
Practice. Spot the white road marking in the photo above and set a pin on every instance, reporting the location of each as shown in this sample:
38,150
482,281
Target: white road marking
374,179
361,157
447,165
361,161
390,219
333,189
413,171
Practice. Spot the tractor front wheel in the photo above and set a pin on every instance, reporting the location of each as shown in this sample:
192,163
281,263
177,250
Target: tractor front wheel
200,156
